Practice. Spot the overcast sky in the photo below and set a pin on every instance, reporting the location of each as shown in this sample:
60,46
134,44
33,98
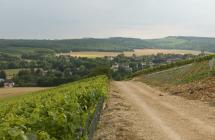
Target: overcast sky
58,19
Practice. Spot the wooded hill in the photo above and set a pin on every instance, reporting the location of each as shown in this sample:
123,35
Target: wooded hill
17,47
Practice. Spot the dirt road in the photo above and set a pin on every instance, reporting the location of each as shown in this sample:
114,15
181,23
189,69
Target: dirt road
154,115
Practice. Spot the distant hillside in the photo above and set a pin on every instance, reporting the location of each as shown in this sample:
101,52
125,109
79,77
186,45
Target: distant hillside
17,47
111,44
187,43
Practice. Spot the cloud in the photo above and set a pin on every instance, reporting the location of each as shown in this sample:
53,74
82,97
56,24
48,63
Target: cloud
105,18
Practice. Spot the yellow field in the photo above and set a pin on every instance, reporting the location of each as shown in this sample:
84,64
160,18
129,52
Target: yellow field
138,52
89,54
9,92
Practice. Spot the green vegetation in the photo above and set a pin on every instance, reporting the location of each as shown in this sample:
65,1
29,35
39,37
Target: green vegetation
10,73
26,47
41,71
58,70
181,74
56,114
2,74
20,47
184,43
172,65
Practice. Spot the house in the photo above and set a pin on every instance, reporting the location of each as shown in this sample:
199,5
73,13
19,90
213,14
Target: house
9,83
126,67
115,67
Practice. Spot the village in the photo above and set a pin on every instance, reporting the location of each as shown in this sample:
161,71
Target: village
123,66
120,67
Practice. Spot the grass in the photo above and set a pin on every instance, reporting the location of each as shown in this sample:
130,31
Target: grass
180,75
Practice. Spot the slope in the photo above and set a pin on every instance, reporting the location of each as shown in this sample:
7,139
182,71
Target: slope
193,81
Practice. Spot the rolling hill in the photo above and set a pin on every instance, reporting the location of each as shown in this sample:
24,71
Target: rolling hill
17,47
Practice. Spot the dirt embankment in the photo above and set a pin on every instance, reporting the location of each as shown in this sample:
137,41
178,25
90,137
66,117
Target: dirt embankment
116,120
203,90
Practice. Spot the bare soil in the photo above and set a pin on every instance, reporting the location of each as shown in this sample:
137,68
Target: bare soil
203,90
136,111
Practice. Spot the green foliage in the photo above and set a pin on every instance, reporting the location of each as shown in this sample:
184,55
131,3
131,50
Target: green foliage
2,74
172,65
26,48
54,114
187,43
101,70
180,75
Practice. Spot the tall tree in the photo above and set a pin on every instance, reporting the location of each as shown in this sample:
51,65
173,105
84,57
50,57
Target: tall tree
3,74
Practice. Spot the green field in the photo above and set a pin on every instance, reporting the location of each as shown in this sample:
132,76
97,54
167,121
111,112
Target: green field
53,114
179,75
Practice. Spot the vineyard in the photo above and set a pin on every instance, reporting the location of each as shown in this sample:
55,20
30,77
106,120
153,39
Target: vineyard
173,65
59,113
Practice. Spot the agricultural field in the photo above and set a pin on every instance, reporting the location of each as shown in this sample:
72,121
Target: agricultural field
90,54
10,92
60,113
138,52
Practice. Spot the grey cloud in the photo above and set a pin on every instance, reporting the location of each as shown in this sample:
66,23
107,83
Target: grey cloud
105,18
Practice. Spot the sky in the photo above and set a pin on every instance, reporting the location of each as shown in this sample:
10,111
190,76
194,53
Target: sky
65,19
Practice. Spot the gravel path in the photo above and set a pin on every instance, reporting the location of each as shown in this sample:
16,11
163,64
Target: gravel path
154,115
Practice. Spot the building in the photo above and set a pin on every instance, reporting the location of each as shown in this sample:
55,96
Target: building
9,83
126,67
115,67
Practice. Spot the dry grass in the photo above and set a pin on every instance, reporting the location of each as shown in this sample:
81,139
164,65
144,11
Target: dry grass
9,92
138,52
